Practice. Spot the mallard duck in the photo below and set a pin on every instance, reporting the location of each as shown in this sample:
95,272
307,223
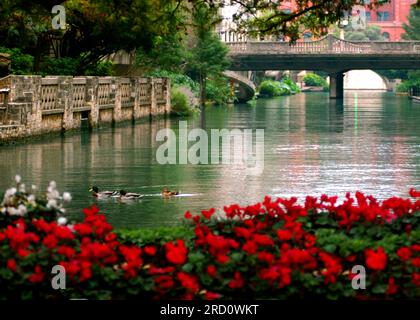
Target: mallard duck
168,193
124,195
102,194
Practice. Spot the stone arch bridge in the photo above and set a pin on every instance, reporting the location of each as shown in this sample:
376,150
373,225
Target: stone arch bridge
329,54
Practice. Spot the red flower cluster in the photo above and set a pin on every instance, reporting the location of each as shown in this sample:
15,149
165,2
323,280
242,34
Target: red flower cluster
260,250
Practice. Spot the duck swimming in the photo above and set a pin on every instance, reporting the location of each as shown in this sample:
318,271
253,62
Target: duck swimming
102,194
168,193
124,195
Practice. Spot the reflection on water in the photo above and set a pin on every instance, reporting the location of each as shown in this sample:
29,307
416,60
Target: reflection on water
369,142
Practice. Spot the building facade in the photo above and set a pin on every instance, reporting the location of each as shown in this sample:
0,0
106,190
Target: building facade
390,18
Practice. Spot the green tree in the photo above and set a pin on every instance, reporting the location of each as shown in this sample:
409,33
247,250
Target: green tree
208,55
412,29
94,28
269,17
371,33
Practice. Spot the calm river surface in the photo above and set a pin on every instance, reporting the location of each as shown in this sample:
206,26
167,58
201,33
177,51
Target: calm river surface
368,142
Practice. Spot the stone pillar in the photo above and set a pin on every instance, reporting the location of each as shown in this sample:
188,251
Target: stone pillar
92,84
136,88
153,102
116,86
35,121
336,85
167,91
65,101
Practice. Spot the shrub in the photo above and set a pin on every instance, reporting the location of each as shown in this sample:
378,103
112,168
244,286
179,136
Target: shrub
314,80
272,88
21,63
218,91
177,79
276,249
179,103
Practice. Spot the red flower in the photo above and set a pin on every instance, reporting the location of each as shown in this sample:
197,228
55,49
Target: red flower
83,229
416,262
404,253
242,232
85,271
153,270
376,260
250,247
37,276
212,295
284,235
66,251
11,265
208,213
63,233
211,271
392,287
189,282
176,253
415,278
414,193
222,258
263,240
164,282
50,241
150,250
237,282
266,257
187,215
93,210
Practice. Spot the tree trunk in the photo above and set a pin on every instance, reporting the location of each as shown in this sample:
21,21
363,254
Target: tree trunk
202,91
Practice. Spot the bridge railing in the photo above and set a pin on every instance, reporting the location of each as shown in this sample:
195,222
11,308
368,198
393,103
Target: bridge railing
327,45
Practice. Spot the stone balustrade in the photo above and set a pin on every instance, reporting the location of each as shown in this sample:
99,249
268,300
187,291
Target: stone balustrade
38,104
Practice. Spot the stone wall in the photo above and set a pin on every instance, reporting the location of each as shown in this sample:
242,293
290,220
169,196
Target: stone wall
38,104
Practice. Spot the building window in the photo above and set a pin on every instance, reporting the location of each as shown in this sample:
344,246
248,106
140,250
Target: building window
383,16
386,36
368,16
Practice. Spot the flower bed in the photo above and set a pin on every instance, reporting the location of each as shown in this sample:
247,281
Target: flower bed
276,249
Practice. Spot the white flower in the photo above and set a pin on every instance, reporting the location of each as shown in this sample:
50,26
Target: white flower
22,188
67,196
52,204
62,221
18,179
22,210
53,185
34,187
10,192
31,198
13,211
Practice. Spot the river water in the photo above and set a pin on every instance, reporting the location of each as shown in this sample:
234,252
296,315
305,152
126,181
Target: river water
368,142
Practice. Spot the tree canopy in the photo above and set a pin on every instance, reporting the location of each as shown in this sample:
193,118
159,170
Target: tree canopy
412,29
271,17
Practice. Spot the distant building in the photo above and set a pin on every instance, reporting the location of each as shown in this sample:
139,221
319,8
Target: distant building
390,18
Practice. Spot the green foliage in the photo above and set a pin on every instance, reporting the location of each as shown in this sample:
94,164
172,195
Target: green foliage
21,63
314,80
371,32
218,90
68,66
412,81
270,88
304,17
412,29
177,79
179,103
